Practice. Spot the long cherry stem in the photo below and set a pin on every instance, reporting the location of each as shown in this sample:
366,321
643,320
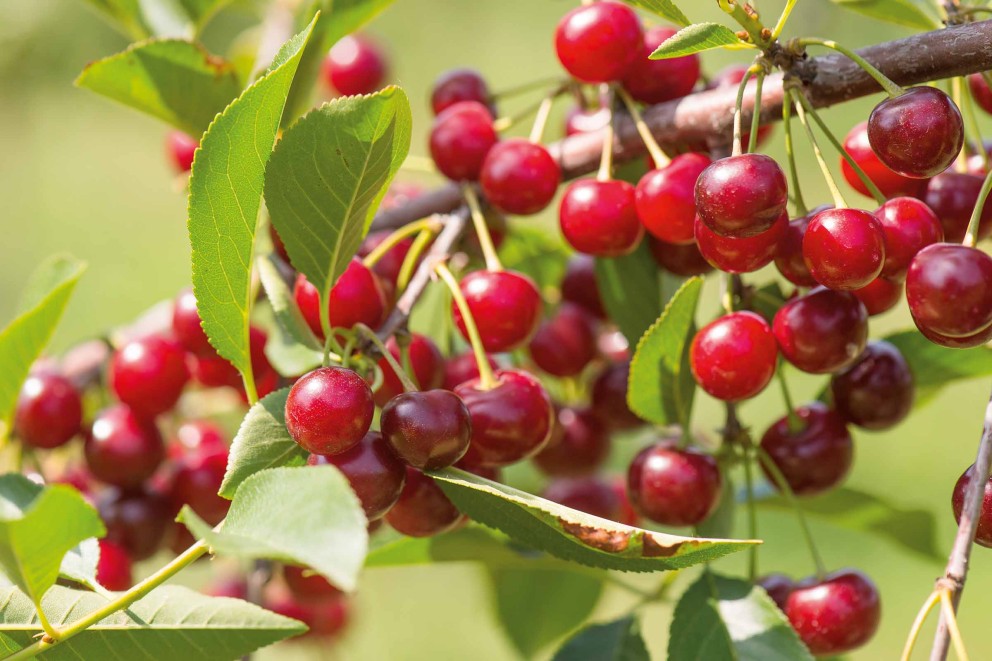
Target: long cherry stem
658,155
752,142
481,228
430,224
486,377
839,201
401,374
738,149
605,172
971,235
790,152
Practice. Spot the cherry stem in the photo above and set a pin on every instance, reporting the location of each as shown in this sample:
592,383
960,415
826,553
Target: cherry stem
412,257
543,112
792,419
947,611
481,229
971,119
405,380
324,301
971,235
660,158
752,142
797,193
737,148
752,508
487,379
606,158
839,201
523,88
391,241
780,25
886,83
921,618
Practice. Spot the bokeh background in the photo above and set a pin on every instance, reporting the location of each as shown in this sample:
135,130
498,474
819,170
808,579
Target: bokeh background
80,174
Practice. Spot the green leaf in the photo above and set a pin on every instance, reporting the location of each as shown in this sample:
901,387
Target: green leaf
171,623
572,535
696,39
224,199
176,81
661,385
720,618
535,253
908,13
79,564
619,640
22,341
934,366
125,15
284,307
664,8
201,11
38,526
631,291
305,516
262,442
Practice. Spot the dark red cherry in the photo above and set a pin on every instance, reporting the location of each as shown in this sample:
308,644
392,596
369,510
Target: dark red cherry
953,196
834,615
505,305
590,494
355,298
815,458
740,255
579,285
149,374
123,449
734,357
519,177
917,134
948,290
581,120
891,184
778,587
49,410
196,482
823,331
741,195
458,85
655,81
789,255
422,509
880,295
984,534
428,430
672,486
375,473
181,148
390,264
329,410
113,569
980,91
578,446
426,362
137,520
877,391
307,586
966,342
186,325
564,344
666,197
599,217
599,42
461,368
355,65
510,422
461,136
609,397
909,226
684,260
844,248
327,619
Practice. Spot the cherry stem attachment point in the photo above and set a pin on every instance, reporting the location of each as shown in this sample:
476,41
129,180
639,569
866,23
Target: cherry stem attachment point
839,201
660,158
605,172
401,374
971,235
790,152
886,83
486,377
481,228
429,224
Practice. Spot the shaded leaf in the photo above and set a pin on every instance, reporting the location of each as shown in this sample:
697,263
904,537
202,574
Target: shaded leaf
934,366
619,640
696,39
79,564
664,8
284,307
125,15
908,13
631,291
535,253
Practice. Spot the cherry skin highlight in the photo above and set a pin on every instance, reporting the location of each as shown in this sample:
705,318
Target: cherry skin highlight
917,134
844,248
329,410
740,255
428,430
505,305
983,535
149,374
356,297
375,473
948,291
665,198
734,357
909,226
579,445
519,177
888,182
564,344
813,459
122,448
674,487
186,325
355,65
461,136
422,509
599,42
742,195
877,391
458,85
49,411
835,615
656,81
823,331
599,217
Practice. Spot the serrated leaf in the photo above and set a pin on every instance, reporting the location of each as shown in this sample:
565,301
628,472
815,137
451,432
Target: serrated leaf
535,253
631,291
171,623
328,174
284,307
305,516
38,526
726,619
907,13
664,8
696,38
224,199
934,366
176,81
661,386
572,535
262,442
44,299
619,640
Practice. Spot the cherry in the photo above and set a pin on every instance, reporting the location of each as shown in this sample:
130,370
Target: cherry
880,295
609,397
599,42
564,344
953,196
196,482
122,448
888,182
966,342
734,357
149,374
510,422
329,410
586,494
579,444
422,509
355,65
187,326
917,134
581,120
789,255
391,263
909,226
137,520
823,331
666,202
947,289
672,486
741,195
834,615
214,372
461,136
113,569
579,285
778,587
458,85
684,260
599,217
181,148
461,368
877,391
49,410
307,586
983,535
232,587
655,81
505,305
356,297
428,430
374,472
844,248
426,362
815,458
740,255
980,91
197,437
519,177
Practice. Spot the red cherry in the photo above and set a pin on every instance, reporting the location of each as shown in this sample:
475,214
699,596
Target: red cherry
374,472
599,42
891,184
789,255
461,136
948,291
355,298
628,515
740,255
823,331
734,357
329,410
741,195
966,342
579,120
389,265
232,587
834,615
327,619
880,295
49,410
917,134
666,198
909,226
684,260
458,85
579,285
505,305
181,148
355,65
461,368
122,448
578,446
149,374
426,362
197,437
815,458
674,487
186,325
778,587
609,397
877,391
953,196
113,569
980,91
599,217
136,520
307,586
422,509
844,248
519,177
655,81
983,535
214,372
428,430
564,344
586,494
196,482
510,422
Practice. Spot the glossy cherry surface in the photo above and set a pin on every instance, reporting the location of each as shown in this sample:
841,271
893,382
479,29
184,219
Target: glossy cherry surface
822,331
685,260
426,363
422,509
49,410
186,325
599,42
122,448
113,569
953,196
877,391
734,357
740,255
149,374
137,520
666,197
461,136
609,397
356,297
505,305
984,534
375,473
880,295
948,290
891,184
519,177
578,446
917,134
564,344
197,437
458,85
909,226
966,342
812,459
655,81
181,148
579,285
355,65
980,91
672,486
789,258
844,248
428,429
741,195
599,217
591,495
835,615
329,410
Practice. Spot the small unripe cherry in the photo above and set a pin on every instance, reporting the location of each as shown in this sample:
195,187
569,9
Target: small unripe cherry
505,305
599,217
844,248
329,410
672,486
519,177
355,65
917,134
422,509
734,357
666,198
373,470
49,410
599,42
741,195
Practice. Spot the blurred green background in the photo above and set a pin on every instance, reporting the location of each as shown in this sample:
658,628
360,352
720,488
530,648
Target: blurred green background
81,174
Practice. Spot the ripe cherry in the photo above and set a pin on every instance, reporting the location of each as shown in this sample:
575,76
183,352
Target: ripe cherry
672,486
880,295
983,535
137,520
834,615
579,445
734,357
307,586
823,331
909,226
599,42
599,217
966,342
666,197
461,368
355,65
461,136
741,195
948,291
458,85
187,326
844,248
505,305
213,371
877,391
564,344
812,459
655,81
510,422
113,569
426,363
375,473
953,196
519,177
428,430
586,494
980,91
422,509
778,587
789,258
122,448
49,410
149,374
609,397
581,120
888,182
197,437
684,260
196,482
917,134
329,410
355,298
181,148
579,285
740,255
